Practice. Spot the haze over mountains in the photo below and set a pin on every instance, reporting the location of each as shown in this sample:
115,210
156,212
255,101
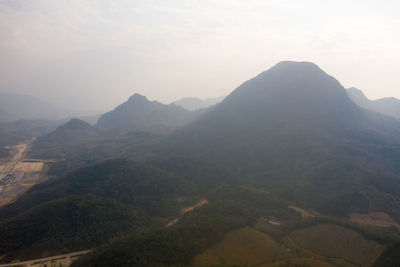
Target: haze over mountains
388,105
289,136
193,103
138,113
15,106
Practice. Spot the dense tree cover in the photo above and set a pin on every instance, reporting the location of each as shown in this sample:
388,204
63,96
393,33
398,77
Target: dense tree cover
90,206
68,224
204,173
196,231
390,257
69,136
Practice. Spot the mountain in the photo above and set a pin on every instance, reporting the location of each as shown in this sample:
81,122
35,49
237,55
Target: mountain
288,140
75,133
194,103
289,102
388,105
138,113
291,133
294,130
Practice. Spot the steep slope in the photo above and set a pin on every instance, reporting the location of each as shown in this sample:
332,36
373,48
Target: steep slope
138,113
388,105
293,130
193,103
288,104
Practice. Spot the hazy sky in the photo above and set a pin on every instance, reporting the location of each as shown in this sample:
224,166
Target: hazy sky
95,54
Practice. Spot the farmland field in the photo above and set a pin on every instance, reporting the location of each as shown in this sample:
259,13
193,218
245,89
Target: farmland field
378,219
298,262
29,167
337,242
241,247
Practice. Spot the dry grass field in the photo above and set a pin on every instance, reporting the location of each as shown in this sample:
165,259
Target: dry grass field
337,242
244,246
378,219
273,231
298,262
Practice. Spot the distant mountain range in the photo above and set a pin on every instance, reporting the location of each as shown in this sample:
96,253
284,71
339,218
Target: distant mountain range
137,118
29,107
388,105
16,106
194,103
138,113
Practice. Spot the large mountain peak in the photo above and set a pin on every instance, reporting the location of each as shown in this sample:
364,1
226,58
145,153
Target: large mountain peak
296,67
301,78
138,99
289,91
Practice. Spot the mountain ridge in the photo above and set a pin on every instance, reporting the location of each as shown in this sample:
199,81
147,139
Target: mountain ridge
194,103
138,113
387,105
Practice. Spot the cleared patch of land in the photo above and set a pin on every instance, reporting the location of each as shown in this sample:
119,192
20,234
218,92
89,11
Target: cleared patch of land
378,219
337,242
304,214
198,204
30,166
244,246
19,174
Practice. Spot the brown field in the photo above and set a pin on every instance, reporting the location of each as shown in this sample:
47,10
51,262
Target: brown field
379,219
244,246
30,166
298,262
304,214
190,208
337,242
273,231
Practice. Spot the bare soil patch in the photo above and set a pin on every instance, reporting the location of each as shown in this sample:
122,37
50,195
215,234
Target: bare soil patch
378,219
304,213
